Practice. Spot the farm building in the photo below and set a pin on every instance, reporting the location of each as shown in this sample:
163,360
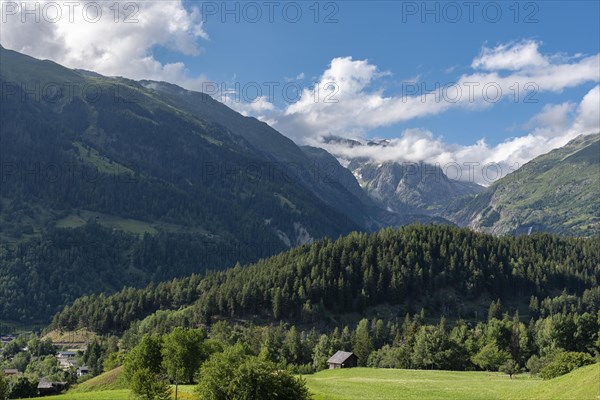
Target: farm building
342,359
46,388
11,372
65,354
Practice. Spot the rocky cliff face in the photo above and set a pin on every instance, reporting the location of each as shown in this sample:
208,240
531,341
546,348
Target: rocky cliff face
410,187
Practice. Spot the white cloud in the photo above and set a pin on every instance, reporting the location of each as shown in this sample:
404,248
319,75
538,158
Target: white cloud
351,99
511,56
259,105
360,105
357,106
109,47
488,162
552,120
588,113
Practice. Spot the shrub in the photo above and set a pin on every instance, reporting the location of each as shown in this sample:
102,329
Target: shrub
389,357
535,364
22,387
3,387
564,363
234,374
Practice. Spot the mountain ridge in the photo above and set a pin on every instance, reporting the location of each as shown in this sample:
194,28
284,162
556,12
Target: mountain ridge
555,192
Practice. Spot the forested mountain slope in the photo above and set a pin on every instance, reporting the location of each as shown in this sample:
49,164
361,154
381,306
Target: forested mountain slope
134,154
79,147
442,268
556,192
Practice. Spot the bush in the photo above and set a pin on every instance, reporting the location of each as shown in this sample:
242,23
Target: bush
535,364
389,357
564,363
302,369
234,374
260,379
3,387
114,360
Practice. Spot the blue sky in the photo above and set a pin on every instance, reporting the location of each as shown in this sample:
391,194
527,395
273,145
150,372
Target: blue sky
384,59
393,36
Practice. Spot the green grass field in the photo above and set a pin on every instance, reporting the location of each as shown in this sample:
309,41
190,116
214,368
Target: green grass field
384,384
110,380
79,218
388,384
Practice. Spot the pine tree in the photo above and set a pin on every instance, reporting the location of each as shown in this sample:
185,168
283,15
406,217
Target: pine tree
362,345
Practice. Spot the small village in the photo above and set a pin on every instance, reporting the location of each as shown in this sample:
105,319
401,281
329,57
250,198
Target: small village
67,353
62,359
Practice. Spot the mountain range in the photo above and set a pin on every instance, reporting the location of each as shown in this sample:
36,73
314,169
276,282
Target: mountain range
555,192
109,182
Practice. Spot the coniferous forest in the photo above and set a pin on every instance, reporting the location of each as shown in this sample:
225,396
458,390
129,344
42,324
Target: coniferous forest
445,270
425,289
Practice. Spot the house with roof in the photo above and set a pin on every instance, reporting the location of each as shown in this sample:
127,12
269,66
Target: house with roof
66,359
11,372
46,388
83,370
343,359
65,354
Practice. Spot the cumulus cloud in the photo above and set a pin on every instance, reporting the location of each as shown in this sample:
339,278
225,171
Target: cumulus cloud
111,38
552,128
588,113
511,56
552,120
254,108
350,102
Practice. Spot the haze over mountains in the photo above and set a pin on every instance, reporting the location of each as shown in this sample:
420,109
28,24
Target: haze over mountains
555,192
405,187
102,174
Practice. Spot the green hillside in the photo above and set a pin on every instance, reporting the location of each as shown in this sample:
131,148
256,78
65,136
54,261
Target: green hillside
581,384
109,380
387,384
556,192
137,161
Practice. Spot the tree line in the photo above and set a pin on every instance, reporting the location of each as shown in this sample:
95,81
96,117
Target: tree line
443,269
166,348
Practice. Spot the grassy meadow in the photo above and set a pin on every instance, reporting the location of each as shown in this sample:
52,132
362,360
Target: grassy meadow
388,384
384,384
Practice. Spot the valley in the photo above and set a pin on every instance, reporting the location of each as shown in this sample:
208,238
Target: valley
165,234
